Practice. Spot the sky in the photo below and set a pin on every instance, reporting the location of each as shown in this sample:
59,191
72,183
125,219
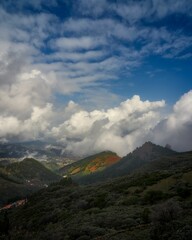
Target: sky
96,75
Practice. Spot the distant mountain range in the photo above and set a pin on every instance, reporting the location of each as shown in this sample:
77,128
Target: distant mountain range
36,149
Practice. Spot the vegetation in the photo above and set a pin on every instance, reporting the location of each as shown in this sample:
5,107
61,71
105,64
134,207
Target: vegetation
152,202
30,169
123,208
89,165
147,158
19,179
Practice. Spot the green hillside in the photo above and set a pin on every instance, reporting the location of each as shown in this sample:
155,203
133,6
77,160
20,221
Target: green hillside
10,190
30,169
150,206
22,178
91,164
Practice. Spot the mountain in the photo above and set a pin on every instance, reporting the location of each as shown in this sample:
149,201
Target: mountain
37,149
5,162
175,162
141,156
91,164
20,178
31,169
150,206
147,153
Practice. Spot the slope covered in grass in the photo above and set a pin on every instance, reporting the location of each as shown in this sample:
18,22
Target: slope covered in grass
91,164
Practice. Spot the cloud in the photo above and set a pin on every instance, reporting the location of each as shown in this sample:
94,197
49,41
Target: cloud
22,4
84,53
12,127
83,132
135,10
78,43
118,129
94,7
29,89
43,56
176,129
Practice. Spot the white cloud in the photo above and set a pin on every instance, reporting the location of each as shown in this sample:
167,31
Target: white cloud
9,126
118,129
33,127
94,7
72,43
176,129
27,90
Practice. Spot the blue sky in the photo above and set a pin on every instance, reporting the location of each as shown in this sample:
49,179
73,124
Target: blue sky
90,55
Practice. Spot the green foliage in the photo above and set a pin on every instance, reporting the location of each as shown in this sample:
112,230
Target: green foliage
133,207
145,215
19,179
88,165
152,196
183,190
132,200
165,220
29,169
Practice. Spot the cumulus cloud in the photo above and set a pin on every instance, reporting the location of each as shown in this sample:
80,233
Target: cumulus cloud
29,128
84,132
28,90
176,129
118,129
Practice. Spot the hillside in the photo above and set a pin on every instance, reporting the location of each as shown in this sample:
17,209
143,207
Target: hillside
150,206
91,164
31,169
175,162
21,178
146,154
11,189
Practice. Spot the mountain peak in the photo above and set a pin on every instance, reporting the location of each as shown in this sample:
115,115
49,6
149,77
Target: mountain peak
149,143
149,151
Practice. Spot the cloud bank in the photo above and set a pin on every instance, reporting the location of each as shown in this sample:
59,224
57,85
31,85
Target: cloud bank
120,129
176,129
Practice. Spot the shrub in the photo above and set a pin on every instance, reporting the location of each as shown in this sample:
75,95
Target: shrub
153,196
163,220
133,200
145,215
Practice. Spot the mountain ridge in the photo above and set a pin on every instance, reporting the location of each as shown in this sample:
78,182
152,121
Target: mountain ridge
148,152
